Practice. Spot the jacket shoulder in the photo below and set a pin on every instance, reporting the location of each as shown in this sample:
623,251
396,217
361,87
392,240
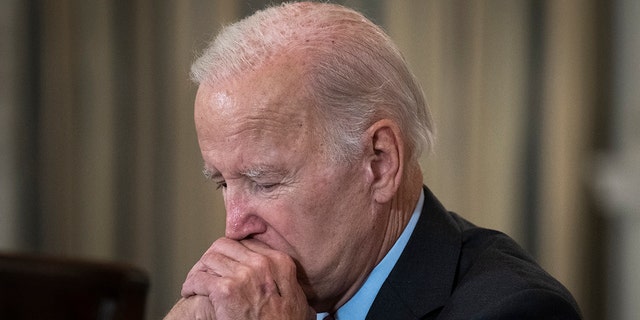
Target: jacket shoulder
497,279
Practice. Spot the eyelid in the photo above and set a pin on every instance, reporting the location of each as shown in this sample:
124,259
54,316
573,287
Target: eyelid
262,179
216,177
266,188
211,174
268,185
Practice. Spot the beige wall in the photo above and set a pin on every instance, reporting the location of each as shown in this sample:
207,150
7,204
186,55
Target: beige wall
474,59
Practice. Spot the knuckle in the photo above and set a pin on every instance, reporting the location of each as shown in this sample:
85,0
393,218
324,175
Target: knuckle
216,245
224,289
243,273
282,258
285,262
220,243
261,262
208,258
292,268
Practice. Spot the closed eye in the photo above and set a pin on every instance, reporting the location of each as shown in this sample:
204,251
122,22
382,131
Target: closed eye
266,187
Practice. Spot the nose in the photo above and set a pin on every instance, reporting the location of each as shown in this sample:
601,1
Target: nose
243,220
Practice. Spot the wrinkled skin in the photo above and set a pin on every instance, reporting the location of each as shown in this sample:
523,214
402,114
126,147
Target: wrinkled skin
302,232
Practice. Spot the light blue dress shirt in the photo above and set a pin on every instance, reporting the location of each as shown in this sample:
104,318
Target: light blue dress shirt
358,306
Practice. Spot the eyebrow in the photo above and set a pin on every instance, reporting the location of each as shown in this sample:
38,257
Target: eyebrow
263,171
210,174
256,172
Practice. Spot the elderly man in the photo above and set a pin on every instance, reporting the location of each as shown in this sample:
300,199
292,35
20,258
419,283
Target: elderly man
311,124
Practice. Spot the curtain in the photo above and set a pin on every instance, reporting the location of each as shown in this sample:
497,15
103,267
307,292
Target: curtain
100,158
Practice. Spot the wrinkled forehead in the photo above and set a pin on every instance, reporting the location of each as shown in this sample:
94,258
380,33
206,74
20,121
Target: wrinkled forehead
279,79
272,97
221,110
251,103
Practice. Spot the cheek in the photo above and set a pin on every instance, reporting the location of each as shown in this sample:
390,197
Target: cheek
304,218
316,217
327,211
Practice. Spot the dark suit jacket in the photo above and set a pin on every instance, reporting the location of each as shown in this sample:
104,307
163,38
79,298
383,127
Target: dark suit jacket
451,269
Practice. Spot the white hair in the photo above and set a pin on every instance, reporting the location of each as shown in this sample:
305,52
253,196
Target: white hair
356,75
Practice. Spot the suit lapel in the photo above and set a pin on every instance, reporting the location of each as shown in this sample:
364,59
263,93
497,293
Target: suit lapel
423,278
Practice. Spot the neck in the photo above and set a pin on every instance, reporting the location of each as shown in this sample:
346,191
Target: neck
400,209
397,214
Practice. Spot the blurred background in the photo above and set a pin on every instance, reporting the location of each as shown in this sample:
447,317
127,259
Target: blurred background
537,105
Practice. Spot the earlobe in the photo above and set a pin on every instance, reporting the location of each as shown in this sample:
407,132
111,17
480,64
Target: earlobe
386,159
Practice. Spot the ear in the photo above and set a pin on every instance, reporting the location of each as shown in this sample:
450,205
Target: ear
385,161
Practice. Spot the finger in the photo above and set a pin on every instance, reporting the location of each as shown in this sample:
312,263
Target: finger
260,247
215,263
232,249
278,258
210,266
282,266
257,274
245,281
234,260
225,255
200,283
205,273
221,258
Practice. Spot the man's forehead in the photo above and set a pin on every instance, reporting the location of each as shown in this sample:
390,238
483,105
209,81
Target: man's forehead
211,102
239,110
253,98
223,101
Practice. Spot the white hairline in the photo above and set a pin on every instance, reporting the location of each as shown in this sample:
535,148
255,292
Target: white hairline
356,75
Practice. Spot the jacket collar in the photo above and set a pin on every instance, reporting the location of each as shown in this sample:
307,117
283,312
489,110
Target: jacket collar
423,278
